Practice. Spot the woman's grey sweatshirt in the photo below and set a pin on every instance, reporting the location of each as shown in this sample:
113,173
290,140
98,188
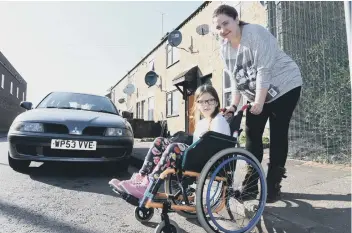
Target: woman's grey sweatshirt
259,63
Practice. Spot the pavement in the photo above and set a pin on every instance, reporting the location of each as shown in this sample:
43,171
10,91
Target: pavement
316,197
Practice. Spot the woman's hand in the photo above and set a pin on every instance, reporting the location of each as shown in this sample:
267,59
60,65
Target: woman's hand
256,108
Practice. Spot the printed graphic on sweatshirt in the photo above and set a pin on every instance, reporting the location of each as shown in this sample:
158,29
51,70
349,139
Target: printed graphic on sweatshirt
245,75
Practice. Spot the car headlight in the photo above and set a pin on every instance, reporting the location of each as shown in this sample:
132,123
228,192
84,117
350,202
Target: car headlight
117,132
28,127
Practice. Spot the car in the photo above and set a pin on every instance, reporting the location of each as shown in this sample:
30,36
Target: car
72,127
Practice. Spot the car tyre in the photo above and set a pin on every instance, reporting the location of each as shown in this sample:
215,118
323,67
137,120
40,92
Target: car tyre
18,165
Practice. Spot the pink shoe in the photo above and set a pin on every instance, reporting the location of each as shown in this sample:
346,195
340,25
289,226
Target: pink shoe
115,184
135,189
136,178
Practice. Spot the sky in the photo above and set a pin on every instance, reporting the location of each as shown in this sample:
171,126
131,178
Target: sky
82,46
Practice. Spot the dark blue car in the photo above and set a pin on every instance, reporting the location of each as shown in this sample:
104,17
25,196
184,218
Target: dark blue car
69,126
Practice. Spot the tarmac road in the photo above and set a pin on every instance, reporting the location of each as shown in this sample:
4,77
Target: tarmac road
76,198
68,198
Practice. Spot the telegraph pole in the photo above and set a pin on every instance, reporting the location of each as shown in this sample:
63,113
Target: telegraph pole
162,24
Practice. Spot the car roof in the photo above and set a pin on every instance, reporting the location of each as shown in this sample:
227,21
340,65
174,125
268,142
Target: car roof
80,93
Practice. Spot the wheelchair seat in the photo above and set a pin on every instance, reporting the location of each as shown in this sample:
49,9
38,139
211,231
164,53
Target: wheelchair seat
199,153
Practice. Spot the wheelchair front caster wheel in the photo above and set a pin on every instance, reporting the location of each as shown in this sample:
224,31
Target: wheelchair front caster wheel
143,214
162,228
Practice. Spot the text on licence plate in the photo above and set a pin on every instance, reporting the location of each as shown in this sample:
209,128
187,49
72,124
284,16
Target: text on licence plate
73,144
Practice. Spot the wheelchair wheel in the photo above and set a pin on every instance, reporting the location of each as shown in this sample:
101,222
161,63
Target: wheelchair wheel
171,187
161,228
220,165
143,214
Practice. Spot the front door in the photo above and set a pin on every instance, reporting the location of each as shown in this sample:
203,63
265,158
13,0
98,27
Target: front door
191,119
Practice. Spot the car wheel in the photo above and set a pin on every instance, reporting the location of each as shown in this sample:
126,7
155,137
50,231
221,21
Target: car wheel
18,165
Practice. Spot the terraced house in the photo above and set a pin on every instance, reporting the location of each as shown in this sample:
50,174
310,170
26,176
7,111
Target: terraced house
195,61
13,90
305,30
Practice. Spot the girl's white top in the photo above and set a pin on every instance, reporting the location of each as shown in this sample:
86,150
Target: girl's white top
218,124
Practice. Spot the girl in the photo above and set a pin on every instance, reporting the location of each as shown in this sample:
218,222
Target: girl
164,154
269,79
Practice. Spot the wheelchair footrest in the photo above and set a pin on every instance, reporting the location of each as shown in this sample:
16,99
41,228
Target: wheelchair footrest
128,198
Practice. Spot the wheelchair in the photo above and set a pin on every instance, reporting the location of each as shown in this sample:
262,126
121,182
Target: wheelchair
203,184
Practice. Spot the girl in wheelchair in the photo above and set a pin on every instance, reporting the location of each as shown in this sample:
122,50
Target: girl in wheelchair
165,154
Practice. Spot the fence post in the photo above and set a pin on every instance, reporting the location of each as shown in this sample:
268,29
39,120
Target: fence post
348,32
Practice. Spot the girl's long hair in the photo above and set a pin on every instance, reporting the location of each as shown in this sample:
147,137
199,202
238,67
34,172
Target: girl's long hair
206,88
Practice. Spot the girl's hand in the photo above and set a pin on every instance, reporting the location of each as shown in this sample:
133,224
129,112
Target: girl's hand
256,108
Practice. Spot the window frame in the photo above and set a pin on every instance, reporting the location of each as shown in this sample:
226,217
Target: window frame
151,110
172,113
174,52
226,90
3,81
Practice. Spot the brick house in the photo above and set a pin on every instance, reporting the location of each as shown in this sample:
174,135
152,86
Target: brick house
13,90
194,62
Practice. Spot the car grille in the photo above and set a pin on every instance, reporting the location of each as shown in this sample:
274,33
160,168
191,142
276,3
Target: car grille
62,129
94,131
55,128
48,152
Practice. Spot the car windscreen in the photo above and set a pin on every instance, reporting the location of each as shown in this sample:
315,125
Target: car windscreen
78,101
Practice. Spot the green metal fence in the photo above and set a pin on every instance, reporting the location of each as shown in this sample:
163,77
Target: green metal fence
314,35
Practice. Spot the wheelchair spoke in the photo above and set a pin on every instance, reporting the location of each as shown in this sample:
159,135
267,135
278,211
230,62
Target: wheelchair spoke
241,206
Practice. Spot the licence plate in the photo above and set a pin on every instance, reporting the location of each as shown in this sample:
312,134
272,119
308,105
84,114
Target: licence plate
73,144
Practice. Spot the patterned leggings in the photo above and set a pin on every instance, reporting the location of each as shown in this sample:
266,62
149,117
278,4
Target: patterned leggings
162,155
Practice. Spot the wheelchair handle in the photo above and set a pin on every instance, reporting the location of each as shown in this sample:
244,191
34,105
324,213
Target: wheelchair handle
244,107
249,105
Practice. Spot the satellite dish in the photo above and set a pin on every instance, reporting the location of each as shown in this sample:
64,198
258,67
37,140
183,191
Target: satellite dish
174,38
202,29
151,78
121,101
129,89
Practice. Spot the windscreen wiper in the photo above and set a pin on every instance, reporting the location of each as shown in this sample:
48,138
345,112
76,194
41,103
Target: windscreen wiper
64,107
102,110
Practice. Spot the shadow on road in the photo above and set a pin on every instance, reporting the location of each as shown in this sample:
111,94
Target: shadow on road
48,224
85,177
300,216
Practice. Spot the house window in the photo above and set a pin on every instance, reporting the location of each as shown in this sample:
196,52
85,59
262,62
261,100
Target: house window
18,92
138,110
173,55
172,103
150,108
23,97
11,89
142,109
227,94
2,81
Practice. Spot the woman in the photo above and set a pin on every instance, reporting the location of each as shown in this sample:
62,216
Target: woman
270,80
164,154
